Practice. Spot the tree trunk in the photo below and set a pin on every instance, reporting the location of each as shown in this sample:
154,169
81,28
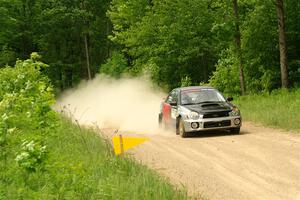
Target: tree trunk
108,32
282,44
86,42
238,46
87,57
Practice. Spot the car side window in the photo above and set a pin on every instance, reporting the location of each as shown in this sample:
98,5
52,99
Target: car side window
170,98
173,97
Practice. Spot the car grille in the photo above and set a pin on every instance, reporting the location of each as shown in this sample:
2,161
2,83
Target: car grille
216,114
217,124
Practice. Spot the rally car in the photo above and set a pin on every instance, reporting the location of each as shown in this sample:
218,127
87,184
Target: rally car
197,108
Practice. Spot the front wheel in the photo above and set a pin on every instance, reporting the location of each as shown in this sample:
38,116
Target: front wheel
235,130
181,129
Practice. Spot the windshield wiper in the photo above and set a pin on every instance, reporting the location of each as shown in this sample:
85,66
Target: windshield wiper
208,102
201,102
186,104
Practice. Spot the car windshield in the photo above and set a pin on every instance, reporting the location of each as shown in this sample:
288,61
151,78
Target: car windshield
198,96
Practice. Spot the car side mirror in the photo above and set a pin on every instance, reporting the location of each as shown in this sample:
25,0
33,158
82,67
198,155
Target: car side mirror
229,98
173,103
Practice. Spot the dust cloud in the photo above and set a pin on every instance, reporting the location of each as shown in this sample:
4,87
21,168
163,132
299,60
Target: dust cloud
127,104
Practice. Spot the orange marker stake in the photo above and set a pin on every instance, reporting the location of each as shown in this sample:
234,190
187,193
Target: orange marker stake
122,144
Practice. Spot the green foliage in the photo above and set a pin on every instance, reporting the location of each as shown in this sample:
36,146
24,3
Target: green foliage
261,54
272,108
89,170
190,39
259,29
162,41
25,106
125,14
7,56
32,156
26,91
226,76
293,41
115,66
56,29
43,156
186,81
170,39
80,165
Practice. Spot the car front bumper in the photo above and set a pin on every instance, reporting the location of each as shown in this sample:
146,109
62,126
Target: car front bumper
191,125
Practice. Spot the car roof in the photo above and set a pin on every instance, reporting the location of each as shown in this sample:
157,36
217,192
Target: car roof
194,87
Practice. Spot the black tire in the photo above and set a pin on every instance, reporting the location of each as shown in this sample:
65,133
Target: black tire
160,121
181,130
235,130
177,126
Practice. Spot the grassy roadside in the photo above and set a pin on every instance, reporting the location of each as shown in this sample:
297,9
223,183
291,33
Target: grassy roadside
81,166
280,108
44,156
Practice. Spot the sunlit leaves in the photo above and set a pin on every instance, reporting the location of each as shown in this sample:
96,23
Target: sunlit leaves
172,35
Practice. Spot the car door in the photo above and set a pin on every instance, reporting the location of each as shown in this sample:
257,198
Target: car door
173,105
169,108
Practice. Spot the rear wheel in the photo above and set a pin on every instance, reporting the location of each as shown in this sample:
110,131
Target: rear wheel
235,130
181,129
160,121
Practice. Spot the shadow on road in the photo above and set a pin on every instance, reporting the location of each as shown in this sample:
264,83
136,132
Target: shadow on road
215,133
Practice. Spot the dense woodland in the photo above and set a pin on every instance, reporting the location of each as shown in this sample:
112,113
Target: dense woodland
238,46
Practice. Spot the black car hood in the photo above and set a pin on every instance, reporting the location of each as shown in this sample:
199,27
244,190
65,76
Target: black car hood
209,107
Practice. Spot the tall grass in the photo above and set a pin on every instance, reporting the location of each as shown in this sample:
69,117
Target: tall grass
280,108
81,166
44,156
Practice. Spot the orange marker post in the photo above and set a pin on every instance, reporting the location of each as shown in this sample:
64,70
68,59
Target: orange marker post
122,144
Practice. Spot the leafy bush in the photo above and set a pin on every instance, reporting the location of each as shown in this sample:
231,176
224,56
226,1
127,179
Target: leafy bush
26,117
32,156
226,76
294,73
257,77
186,81
115,66
26,95
43,156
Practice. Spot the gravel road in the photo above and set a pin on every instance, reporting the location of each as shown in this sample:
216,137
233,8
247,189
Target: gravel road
260,163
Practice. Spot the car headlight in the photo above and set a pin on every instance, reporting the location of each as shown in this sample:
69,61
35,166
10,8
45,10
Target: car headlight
235,112
193,115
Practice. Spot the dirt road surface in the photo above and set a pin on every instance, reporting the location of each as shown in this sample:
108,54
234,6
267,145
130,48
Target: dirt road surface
261,163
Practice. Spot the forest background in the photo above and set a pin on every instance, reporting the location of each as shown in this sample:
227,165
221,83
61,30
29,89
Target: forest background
237,46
